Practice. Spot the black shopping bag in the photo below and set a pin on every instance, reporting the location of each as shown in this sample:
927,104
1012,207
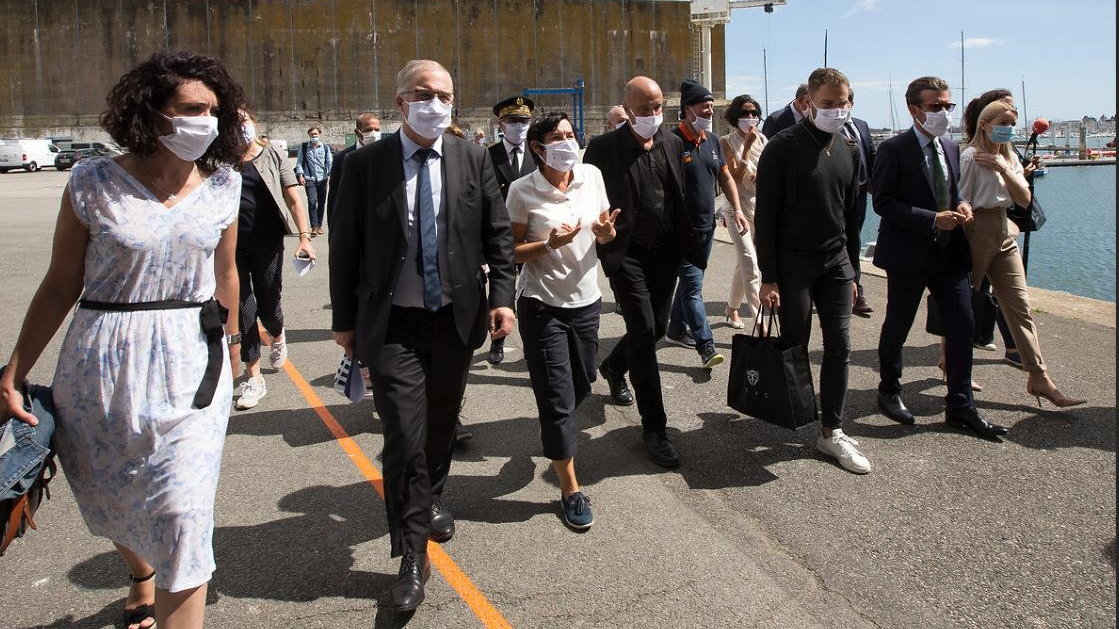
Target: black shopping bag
770,378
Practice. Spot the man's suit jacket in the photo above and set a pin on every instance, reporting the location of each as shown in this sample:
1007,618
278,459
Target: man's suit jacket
778,121
611,153
368,249
335,179
503,168
904,198
867,144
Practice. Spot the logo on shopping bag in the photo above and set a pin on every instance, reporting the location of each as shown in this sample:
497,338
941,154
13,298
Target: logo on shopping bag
752,377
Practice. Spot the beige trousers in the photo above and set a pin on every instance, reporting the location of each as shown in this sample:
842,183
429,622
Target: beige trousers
994,253
747,279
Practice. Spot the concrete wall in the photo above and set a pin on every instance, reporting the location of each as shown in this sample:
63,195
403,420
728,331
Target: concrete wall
323,61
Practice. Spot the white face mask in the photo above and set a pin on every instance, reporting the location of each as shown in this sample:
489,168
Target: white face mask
191,137
646,126
745,124
831,120
936,123
248,131
515,132
429,118
701,124
365,139
562,155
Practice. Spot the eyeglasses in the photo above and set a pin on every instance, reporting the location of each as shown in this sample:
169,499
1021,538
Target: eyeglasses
948,107
422,95
750,113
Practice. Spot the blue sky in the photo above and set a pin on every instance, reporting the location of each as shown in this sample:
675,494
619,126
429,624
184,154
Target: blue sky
1063,49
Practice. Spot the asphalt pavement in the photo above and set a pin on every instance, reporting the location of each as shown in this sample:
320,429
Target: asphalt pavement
755,529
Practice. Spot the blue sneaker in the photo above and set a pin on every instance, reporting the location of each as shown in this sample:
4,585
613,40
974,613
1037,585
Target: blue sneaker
577,511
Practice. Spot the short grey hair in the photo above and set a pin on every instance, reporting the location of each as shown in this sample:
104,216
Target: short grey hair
408,73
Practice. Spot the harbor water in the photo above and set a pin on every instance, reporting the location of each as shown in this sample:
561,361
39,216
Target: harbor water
1075,250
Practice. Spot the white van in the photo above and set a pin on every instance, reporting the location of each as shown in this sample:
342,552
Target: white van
26,153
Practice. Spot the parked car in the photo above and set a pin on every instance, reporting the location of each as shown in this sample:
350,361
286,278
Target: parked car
29,154
106,148
67,159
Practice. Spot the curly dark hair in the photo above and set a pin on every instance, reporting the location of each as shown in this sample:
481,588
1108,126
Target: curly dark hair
734,110
542,126
976,105
135,102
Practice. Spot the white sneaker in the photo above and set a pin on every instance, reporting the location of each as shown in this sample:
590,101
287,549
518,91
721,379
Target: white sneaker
842,448
251,391
279,353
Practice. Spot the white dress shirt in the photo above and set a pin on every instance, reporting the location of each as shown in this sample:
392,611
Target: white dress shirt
985,188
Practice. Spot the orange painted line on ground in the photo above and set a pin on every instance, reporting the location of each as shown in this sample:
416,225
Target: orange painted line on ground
471,595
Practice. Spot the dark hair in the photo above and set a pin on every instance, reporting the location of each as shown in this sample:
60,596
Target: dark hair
544,125
135,101
310,129
916,86
802,91
826,76
734,110
975,107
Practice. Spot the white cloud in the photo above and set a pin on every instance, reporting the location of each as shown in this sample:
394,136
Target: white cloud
745,84
862,5
977,42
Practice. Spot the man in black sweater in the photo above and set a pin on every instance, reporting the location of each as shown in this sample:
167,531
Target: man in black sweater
808,184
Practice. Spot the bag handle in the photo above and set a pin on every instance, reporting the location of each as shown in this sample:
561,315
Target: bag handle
774,323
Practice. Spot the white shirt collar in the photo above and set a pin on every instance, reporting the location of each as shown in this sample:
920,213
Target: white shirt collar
544,186
410,147
922,138
509,146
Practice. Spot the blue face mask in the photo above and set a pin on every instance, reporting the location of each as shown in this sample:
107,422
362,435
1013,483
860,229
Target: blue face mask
1001,134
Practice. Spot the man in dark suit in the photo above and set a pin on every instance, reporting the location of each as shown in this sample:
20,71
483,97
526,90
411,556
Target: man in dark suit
418,214
788,115
857,131
367,130
640,166
920,244
511,161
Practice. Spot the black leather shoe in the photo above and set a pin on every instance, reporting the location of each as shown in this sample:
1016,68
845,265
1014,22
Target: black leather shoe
619,390
860,307
407,591
442,523
661,449
497,352
462,433
892,407
969,418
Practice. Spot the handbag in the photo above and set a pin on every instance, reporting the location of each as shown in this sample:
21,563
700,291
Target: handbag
984,309
26,465
770,378
1029,218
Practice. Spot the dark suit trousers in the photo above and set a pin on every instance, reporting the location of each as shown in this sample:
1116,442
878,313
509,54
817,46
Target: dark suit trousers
952,291
808,279
418,382
643,287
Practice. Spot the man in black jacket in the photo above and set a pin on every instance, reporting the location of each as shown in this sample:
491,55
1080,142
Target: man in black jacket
418,214
640,166
367,130
858,132
788,115
808,183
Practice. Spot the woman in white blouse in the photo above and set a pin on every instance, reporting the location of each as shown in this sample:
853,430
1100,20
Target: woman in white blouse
742,147
992,178
558,214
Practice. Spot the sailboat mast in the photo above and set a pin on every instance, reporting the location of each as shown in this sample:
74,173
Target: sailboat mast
1025,118
765,78
963,98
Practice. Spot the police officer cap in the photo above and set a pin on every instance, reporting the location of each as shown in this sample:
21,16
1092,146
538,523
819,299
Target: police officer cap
516,106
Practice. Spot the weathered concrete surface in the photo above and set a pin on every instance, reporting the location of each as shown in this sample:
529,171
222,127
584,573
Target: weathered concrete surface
755,530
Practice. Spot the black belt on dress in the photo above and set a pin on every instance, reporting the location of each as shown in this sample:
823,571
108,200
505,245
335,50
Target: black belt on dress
211,318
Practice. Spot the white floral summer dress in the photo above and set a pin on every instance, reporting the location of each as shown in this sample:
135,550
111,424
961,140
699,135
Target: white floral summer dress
142,462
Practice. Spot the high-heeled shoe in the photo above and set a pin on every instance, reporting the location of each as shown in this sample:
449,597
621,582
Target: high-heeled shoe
944,377
1054,395
735,323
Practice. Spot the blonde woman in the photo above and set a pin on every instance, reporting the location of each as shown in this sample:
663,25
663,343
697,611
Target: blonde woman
742,148
992,178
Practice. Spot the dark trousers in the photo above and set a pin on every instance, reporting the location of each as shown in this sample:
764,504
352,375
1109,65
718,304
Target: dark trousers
316,201
988,336
643,287
560,347
805,280
260,266
860,213
688,309
952,291
418,381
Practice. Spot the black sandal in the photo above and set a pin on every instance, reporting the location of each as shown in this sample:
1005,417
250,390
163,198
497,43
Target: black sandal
137,615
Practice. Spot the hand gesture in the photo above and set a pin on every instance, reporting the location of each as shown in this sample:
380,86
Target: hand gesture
11,403
501,322
964,209
603,228
740,223
564,234
305,250
770,295
991,161
949,220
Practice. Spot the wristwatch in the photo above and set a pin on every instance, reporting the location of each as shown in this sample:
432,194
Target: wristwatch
233,339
